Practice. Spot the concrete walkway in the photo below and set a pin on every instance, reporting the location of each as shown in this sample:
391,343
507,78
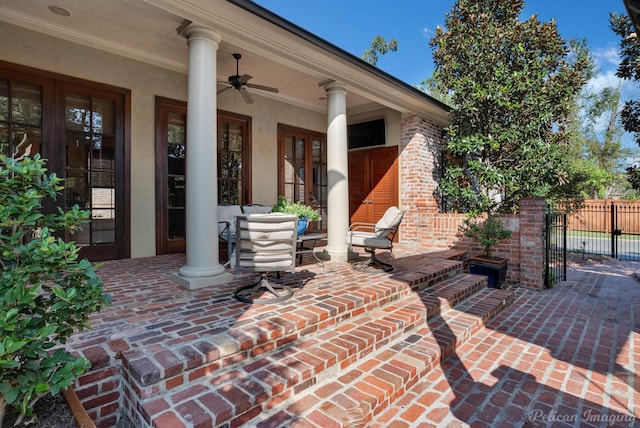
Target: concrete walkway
565,357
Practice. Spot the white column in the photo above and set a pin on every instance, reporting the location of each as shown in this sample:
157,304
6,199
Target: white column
202,266
337,171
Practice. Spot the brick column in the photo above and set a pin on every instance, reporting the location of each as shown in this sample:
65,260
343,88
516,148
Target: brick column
532,242
420,150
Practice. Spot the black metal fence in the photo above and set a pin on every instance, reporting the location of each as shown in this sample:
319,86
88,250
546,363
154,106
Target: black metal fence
607,228
555,255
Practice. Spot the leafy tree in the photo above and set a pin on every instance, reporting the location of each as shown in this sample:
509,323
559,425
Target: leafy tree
596,156
629,69
379,46
45,290
435,89
604,146
513,85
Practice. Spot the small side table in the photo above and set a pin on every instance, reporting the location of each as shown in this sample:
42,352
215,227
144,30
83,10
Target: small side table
306,244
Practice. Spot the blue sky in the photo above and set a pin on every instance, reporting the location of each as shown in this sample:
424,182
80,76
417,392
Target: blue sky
352,25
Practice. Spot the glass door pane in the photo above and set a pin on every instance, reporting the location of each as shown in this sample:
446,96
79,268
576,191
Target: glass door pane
90,169
20,119
176,158
102,179
294,168
230,142
320,188
171,158
303,170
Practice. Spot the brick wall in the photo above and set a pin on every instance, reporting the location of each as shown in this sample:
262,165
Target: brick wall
420,170
524,249
442,231
532,242
421,148
99,388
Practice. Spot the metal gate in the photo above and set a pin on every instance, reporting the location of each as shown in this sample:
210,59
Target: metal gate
608,228
555,254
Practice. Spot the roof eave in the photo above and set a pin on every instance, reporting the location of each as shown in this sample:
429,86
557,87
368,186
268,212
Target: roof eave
309,37
633,10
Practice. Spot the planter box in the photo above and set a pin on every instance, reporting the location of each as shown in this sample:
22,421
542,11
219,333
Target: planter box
494,268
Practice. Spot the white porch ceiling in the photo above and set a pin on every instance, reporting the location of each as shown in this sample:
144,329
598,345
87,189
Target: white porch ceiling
145,30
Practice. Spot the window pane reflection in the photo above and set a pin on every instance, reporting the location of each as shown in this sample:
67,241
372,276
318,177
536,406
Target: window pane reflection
230,143
20,119
90,166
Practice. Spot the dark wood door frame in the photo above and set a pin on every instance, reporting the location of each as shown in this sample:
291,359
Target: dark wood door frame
315,177
165,106
54,89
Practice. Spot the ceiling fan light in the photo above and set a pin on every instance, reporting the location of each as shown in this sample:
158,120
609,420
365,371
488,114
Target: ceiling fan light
59,10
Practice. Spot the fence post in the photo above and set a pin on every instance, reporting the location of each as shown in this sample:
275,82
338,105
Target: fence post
613,230
532,256
547,244
564,246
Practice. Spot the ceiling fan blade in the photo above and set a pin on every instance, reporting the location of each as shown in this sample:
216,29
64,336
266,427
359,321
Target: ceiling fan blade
262,88
224,89
246,95
244,78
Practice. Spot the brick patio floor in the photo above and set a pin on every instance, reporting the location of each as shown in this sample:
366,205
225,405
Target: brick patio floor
566,357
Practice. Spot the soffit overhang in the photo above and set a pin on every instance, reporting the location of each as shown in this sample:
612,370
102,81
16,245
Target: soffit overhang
275,51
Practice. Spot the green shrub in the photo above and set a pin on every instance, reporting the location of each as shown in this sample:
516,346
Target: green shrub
46,292
485,233
302,211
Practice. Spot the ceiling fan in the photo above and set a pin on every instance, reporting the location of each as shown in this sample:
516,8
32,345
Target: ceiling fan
241,83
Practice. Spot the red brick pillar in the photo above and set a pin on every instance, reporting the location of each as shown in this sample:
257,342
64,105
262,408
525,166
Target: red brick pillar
420,148
532,212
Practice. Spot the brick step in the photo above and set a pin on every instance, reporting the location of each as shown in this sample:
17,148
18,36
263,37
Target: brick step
240,393
181,358
353,398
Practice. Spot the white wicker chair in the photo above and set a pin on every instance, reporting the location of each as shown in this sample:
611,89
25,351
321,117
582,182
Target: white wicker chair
265,243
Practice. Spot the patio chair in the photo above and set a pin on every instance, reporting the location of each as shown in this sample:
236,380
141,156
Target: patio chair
256,209
227,228
375,236
265,243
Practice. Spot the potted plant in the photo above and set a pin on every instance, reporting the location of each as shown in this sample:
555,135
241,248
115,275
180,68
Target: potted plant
486,234
304,212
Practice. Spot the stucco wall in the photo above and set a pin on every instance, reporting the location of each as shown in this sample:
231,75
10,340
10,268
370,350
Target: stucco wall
145,82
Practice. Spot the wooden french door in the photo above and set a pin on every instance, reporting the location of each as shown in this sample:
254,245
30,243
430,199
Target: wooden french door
92,123
373,183
234,171
80,128
234,158
302,169
171,151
